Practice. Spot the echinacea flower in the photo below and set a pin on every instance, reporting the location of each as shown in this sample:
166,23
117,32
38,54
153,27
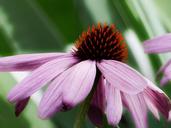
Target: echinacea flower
99,55
161,44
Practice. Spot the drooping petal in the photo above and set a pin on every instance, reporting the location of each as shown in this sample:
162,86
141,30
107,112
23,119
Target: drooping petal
79,83
153,86
26,61
97,106
20,105
122,76
52,99
159,100
152,108
114,105
39,77
159,44
136,105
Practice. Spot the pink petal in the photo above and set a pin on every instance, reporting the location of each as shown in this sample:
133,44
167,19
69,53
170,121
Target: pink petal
138,109
169,116
19,107
122,76
79,83
164,80
167,75
26,61
97,106
39,78
164,67
52,99
159,44
114,105
152,107
159,100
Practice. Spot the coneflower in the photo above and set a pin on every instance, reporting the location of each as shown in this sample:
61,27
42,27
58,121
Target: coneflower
95,67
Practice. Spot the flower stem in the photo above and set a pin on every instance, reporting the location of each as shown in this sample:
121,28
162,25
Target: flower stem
85,105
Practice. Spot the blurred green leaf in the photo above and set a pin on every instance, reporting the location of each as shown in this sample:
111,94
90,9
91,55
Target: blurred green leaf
5,47
154,123
7,118
164,12
64,15
28,118
31,28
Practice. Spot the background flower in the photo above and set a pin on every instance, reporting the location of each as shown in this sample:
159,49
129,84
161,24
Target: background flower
161,44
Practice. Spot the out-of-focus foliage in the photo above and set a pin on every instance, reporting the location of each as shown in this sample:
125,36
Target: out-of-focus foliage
5,47
31,29
28,26
164,12
65,17
7,116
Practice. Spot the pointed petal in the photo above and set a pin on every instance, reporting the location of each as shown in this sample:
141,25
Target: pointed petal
19,107
159,44
138,109
159,100
79,83
52,99
97,106
39,78
114,105
122,76
152,108
26,61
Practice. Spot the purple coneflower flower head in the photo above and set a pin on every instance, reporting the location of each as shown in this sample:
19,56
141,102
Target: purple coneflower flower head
99,54
161,44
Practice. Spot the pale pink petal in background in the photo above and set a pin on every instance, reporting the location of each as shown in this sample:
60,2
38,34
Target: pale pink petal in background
158,44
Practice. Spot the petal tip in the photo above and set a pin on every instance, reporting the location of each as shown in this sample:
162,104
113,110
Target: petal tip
169,118
113,123
10,98
42,115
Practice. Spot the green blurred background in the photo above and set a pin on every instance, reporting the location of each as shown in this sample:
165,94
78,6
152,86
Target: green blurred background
30,26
